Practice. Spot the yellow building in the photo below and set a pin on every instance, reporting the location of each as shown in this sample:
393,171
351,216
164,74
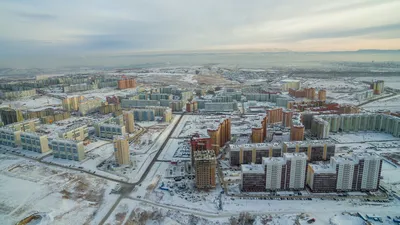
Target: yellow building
78,133
121,150
27,126
129,122
34,142
72,103
89,106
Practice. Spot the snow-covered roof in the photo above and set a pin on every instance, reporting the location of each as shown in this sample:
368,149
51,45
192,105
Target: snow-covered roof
252,168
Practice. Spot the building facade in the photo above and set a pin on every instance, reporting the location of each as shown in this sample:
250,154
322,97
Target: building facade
121,150
205,169
67,149
253,178
34,142
9,115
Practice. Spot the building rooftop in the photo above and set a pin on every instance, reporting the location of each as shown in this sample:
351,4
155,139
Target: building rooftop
257,146
301,155
204,155
253,168
366,155
322,168
273,160
346,159
67,141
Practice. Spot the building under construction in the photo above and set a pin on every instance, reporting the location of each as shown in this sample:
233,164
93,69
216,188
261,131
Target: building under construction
205,168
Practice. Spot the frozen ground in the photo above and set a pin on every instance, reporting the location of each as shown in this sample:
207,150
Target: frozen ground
64,197
361,137
33,102
391,103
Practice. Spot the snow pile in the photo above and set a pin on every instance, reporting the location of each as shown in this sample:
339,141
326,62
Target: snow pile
345,220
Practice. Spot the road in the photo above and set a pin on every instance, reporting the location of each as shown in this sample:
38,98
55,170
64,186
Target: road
130,188
376,99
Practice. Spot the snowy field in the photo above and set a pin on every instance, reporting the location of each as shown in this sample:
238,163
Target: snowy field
61,196
392,104
176,149
33,102
392,81
361,137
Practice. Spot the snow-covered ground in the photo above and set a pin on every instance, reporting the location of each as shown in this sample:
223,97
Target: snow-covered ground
392,81
176,149
391,103
33,102
65,197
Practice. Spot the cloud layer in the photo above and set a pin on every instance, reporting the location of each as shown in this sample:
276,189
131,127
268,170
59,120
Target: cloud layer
76,27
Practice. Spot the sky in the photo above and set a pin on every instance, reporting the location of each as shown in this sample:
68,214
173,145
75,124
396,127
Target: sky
44,28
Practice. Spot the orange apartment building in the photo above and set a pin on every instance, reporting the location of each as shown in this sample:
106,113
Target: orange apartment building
322,95
297,132
126,83
287,118
305,93
220,135
259,133
274,115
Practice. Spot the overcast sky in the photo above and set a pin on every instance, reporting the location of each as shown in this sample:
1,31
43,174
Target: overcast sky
29,27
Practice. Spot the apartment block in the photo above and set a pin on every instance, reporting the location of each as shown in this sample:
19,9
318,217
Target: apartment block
346,168
369,171
108,131
129,122
143,115
121,150
378,86
10,95
275,173
290,84
76,132
274,115
205,169
322,95
321,178
89,106
253,178
129,103
127,83
26,126
34,142
176,106
253,153
296,166
67,149
72,103
287,118
198,143
10,137
9,115
220,133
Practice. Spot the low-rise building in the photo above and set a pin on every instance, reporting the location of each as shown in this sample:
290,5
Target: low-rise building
67,149
76,132
10,137
34,142
89,105
110,130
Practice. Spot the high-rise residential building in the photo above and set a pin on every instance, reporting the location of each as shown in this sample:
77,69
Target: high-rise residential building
121,150
220,133
274,115
126,83
322,95
34,142
297,129
345,168
320,128
369,171
290,84
9,115
296,165
199,144
89,105
253,178
144,114
287,118
205,168
378,86
67,149
257,135
310,93
129,122
253,153
275,173
72,103
321,177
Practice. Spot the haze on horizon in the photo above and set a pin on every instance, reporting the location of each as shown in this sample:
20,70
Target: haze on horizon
43,29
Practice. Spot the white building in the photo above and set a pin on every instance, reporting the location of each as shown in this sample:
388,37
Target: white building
371,166
296,170
275,171
110,130
293,84
345,167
